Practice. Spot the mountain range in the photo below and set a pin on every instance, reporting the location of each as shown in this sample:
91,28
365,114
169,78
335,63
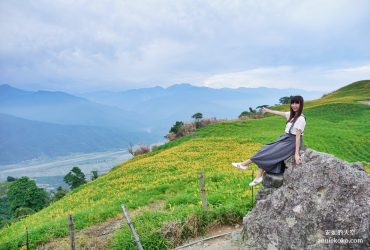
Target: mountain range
42,123
163,106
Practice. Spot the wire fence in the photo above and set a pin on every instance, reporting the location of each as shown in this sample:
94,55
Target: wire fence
135,241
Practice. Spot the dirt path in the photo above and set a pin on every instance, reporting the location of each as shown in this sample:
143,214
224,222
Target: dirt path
231,241
95,237
365,102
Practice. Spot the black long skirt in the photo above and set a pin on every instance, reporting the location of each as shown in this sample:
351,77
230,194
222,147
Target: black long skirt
272,153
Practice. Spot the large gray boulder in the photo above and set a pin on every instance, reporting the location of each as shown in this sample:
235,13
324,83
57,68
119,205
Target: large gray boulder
322,201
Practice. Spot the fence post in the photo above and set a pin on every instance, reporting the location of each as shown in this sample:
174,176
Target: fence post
252,188
71,232
203,191
136,237
27,242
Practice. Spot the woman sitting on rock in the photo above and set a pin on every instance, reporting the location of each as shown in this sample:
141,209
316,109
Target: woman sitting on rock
282,148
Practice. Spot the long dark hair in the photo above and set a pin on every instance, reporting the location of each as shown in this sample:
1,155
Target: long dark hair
294,114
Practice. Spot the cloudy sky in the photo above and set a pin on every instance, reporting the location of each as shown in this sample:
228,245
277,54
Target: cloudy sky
79,46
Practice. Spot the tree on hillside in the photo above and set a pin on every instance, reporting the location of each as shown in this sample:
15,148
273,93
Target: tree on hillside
94,174
252,110
59,193
244,113
176,129
252,113
24,193
130,148
285,99
197,117
262,106
75,178
5,212
10,179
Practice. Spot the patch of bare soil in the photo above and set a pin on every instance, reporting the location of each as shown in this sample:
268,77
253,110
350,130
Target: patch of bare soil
365,102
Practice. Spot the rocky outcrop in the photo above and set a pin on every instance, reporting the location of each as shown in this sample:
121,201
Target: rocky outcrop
272,180
323,203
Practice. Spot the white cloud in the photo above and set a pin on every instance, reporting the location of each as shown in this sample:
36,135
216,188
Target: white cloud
321,79
70,45
364,69
350,74
256,77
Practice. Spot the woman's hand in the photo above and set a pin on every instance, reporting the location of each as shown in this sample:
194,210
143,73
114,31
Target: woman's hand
298,158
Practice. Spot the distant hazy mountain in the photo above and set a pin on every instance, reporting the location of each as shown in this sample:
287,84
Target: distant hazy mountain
22,139
51,123
47,123
62,108
163,106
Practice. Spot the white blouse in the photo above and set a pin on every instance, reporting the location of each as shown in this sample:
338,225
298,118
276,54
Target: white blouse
299,124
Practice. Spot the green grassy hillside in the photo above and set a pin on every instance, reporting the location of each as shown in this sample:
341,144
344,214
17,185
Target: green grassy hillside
335,124
351,93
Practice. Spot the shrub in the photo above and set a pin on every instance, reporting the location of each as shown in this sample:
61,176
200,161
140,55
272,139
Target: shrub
183,129
59,193
248,115
187,129
171,136
23,212
138,149
206,121
141,149
177,127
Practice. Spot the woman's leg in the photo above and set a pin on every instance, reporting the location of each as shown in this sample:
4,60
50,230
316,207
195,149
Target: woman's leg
260,170
246,162
259,173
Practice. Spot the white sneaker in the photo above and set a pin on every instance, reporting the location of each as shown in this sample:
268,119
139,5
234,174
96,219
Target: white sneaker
239,165
255,181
